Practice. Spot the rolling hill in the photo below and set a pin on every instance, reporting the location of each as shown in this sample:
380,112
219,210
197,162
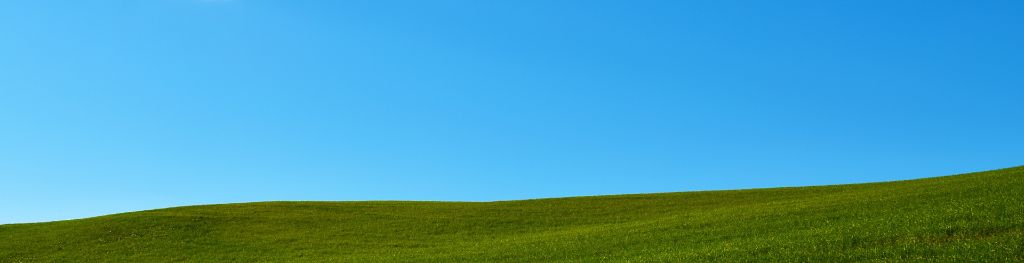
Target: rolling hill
969,217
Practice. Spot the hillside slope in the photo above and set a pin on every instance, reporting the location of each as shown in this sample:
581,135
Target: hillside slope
972,217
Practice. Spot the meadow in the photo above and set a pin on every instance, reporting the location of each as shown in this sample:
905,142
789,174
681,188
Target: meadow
969,217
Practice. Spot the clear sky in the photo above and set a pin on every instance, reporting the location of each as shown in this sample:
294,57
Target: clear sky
115,106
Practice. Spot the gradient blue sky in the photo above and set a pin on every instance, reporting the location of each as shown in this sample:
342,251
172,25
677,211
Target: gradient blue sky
113,106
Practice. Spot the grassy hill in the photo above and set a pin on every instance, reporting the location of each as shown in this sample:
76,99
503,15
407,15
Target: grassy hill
970,217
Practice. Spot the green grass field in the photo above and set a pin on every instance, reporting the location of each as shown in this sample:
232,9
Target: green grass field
970,217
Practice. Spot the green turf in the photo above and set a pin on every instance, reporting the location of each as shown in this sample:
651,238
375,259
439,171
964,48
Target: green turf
971,217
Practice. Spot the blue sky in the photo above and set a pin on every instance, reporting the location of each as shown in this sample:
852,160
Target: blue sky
114,106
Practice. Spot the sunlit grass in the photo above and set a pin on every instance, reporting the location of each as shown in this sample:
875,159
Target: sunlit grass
972,217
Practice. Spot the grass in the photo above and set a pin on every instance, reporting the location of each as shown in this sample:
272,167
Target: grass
970,217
